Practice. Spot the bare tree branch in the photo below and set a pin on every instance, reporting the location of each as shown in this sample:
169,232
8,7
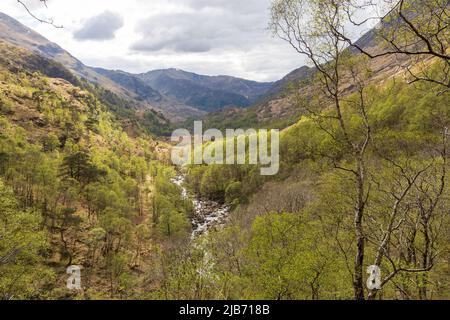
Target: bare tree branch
47,21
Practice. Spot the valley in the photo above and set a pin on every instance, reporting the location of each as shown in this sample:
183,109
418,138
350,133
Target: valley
88,178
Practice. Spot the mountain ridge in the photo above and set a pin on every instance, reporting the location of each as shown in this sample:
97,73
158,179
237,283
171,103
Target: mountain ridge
176,106
176,93
250,89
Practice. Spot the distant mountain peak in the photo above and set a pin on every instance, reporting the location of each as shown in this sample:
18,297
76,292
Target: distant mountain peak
209,93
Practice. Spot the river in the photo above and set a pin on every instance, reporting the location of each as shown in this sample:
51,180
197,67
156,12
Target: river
208,214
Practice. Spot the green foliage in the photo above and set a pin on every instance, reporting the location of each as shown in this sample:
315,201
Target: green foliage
78,184
309,253
22,242
76,189
170,211
233,193
156,123
6,105
286,260
79,166
50,142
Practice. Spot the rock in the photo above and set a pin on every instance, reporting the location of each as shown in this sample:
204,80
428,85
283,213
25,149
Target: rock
208,214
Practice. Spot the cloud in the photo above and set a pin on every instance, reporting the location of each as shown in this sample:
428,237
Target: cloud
204,26
203,36
237,7
101,27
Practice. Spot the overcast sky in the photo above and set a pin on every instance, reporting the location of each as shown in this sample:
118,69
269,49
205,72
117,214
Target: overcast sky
204,36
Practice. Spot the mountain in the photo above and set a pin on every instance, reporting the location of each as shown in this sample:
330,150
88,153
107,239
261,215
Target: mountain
278,108
129,87
194,91
132,83
208,93
293,76
188,93
177,94
14,32
191,92
173,81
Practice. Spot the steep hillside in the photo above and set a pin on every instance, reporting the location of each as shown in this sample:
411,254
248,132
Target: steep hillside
297,225
361,181
134,120
195,95
127,87
177,94
182,94
16,33
185,91
76,189
281,86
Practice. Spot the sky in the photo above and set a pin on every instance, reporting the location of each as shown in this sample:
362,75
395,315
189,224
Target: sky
213,37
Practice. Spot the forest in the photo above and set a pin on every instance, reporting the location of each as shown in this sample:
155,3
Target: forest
364,176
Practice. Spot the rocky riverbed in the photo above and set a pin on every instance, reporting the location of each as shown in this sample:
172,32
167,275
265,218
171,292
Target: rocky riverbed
208,214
